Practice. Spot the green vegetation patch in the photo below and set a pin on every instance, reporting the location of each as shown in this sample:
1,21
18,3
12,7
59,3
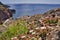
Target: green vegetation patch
16,28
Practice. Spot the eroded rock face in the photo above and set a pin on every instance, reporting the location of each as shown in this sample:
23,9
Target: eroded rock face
5,12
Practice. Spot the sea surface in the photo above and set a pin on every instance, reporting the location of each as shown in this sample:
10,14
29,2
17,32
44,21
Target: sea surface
31,9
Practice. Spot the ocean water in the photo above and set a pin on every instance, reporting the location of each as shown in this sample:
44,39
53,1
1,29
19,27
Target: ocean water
31,9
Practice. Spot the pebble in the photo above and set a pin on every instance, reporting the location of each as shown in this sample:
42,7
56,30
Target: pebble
23,36
43,27
37,28
31,31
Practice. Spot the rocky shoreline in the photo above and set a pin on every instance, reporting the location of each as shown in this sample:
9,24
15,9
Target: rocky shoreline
39,26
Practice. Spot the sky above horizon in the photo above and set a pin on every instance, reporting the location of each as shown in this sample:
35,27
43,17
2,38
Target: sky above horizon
30,1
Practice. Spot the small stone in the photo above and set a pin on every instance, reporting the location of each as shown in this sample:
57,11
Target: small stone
31,31
52,38
37,28
23,36
57,26
34,33
43,27
15,38
40,38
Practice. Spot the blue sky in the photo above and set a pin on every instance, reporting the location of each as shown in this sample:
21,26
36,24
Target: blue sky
31,1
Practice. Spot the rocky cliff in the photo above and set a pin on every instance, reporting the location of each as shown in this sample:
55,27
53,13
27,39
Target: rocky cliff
5,12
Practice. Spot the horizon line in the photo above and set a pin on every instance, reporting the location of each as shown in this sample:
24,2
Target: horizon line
31,3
